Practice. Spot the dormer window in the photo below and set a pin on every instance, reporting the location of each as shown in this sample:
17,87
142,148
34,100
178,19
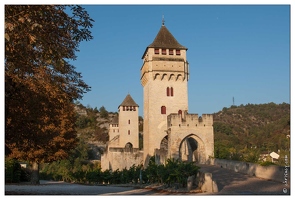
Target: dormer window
157,51
163,51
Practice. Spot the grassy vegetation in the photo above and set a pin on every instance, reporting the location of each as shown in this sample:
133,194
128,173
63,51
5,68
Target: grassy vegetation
243,132
172,172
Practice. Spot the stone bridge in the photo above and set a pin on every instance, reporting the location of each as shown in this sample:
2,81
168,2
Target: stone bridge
227,181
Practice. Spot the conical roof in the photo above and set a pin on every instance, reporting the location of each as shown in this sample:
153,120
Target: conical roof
128,101
165,39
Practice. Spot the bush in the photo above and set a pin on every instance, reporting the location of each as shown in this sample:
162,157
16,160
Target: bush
12,171
172,172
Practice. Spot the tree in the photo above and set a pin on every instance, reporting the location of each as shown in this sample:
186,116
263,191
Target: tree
103,112
40,83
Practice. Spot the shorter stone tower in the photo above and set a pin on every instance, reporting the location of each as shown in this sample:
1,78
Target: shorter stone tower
128,123
122,147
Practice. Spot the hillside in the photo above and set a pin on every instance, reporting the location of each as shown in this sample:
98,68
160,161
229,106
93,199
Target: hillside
243,132
240,132
93,127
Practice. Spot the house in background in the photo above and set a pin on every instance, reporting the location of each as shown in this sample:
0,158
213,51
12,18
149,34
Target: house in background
272,157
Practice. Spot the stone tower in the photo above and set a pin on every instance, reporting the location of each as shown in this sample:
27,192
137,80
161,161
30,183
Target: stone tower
128,123
123,145
164,76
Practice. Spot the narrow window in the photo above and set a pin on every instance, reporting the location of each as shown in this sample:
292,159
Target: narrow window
168,91
163,110
157,51
170,51
163,51
177,52
134,108
128,132
129,121
180,112
123,108
171,91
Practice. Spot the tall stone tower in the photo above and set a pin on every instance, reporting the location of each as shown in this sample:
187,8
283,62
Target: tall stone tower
128,123
164,76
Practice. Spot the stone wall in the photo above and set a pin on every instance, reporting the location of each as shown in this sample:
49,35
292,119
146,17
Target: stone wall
272,172
191,125
118,158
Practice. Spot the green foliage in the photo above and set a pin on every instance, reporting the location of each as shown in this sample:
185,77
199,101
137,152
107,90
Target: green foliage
174,171
239,130
103,112
89,126
12,171
221,151
83,121
222,128
251,155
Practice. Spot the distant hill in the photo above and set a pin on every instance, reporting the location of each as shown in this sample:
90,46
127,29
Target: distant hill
240,132
251,129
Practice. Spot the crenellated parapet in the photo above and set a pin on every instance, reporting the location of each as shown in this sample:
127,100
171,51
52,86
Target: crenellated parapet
189,120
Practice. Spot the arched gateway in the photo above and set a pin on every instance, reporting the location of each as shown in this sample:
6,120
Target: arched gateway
191,149
190,137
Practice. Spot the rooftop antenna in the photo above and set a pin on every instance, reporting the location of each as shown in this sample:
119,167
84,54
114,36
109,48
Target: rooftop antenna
163,21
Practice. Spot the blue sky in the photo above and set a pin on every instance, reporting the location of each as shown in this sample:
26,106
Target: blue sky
240,51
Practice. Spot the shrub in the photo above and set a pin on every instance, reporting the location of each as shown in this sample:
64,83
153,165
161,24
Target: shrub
12,171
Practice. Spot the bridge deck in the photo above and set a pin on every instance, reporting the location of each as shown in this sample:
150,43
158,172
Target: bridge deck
230,182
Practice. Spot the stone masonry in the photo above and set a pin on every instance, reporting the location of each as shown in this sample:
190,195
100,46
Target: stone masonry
169,131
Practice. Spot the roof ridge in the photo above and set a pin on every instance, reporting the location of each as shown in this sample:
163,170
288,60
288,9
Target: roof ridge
165,39
128,101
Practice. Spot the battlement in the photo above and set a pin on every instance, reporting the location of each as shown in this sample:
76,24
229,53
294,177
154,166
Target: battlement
118,149
186,119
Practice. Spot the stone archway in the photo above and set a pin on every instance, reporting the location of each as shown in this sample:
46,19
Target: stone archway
164,143
191,149
161,154
128,147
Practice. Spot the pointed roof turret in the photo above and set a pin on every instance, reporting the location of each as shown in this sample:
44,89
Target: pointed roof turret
128,101
165,39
